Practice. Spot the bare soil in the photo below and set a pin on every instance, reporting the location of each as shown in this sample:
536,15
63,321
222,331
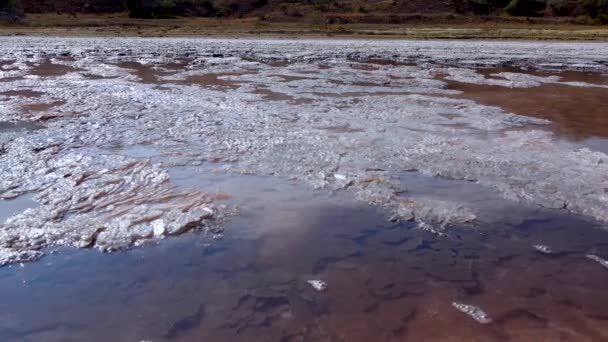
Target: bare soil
414,27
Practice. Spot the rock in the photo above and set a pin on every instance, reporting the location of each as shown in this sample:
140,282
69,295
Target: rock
474,312
179,222
159,227
543,249
403,213
8,256
318,285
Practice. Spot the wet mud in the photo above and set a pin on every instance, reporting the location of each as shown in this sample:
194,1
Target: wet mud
47,68
302,190
578,112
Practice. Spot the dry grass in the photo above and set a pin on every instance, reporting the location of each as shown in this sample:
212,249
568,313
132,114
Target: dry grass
121,25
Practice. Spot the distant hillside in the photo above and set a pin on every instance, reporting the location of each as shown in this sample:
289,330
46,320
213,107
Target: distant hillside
338,11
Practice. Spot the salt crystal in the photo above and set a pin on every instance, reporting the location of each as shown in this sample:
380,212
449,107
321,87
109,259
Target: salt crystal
318,285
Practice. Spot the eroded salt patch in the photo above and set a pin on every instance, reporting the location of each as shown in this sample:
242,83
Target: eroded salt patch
332,120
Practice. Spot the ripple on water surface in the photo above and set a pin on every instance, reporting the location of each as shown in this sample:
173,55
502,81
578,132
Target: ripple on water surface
386,281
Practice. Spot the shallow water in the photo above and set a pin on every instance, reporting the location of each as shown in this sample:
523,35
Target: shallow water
16,205
18,127
386,281
576,112
317,161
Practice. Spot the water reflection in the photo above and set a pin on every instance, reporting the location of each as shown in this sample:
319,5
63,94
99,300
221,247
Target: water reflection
387,281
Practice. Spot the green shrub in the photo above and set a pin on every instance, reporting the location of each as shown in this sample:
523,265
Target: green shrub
596,8
205,8
13,7
584,20
143,8
480,7
524,7
559,7
169,8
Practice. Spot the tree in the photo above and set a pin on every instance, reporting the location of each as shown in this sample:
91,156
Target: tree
478,7
596,8
524,7
559,7
12,7
150,8
206,8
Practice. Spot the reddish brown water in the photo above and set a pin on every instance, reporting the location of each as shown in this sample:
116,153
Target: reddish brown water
49,69
386,281
152,75
576,112
23,93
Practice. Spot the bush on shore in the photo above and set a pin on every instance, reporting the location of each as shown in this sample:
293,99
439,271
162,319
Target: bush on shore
203,8
595,11
11,7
